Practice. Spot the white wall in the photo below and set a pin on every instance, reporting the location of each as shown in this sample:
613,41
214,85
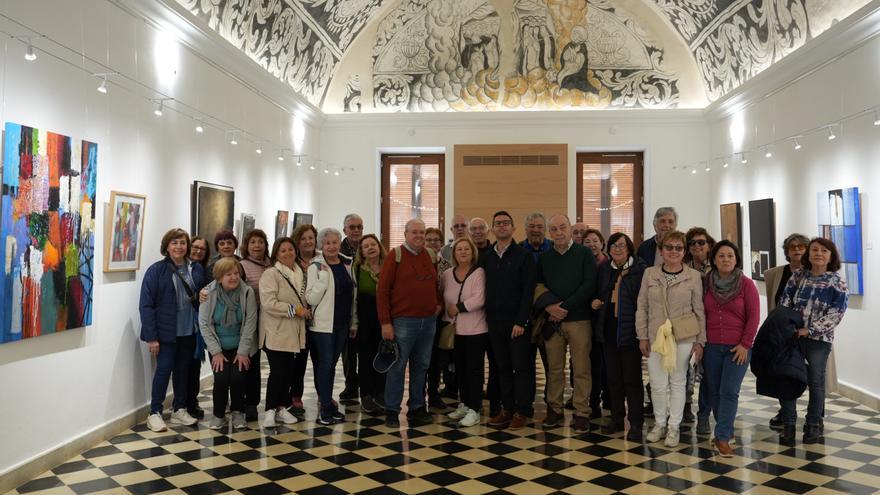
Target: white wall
668,139
59,386
793,178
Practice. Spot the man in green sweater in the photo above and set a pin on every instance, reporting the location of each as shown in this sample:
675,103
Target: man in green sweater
568,271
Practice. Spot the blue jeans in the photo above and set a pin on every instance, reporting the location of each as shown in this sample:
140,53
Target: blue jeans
172,364
816,353
415,337
326,347
723,378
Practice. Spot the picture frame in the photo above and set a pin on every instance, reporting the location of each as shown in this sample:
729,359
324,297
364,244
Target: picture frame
212,209
302,219
731,223
124,233
281,222
247,223
762,236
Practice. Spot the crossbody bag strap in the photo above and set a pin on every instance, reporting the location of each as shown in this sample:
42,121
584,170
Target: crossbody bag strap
190,291
461,289
295,292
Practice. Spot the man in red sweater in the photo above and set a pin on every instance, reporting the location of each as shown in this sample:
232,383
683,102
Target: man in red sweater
408,300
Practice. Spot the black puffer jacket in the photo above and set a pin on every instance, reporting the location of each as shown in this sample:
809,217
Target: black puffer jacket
627,299
778,360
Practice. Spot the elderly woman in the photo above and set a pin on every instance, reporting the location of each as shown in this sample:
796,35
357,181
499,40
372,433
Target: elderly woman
168,308
366,268
434,240
304,238
331,294
619,282
733,311
441,359
228,320
670,292
594,240
199,252
225,243
464,297
283,315
254,261
699,244
818,293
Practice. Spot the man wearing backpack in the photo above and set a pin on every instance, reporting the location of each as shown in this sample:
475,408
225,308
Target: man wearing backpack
408,300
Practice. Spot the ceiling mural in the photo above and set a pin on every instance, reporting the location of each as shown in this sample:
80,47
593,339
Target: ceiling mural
464,55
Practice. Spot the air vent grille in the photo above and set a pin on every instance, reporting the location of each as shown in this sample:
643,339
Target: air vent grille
509,160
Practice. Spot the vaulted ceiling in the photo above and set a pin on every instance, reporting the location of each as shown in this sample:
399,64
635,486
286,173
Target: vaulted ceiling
485,55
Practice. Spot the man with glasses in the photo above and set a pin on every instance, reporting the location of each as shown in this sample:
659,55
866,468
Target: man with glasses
478,230
459,230
353,227
665,221
510,285
568,271
536,241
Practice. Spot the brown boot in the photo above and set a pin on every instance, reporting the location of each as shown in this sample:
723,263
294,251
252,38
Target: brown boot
502,419
517,422
724,449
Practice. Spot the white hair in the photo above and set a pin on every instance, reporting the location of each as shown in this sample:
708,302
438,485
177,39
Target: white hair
325,232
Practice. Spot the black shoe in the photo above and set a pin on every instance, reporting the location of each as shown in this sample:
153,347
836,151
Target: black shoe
250,413
569,404
338,416
552,419
688,416
786,436
419,417
349,394
776,422
392,419
812,434
634,434
611,428
595,412
449,393
196,412
582,424
326,419
370,406
436,402
648,410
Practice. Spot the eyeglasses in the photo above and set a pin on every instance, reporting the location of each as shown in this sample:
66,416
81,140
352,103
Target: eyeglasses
673,247
460,226
617,246
697,242
198,248
503,223
356,227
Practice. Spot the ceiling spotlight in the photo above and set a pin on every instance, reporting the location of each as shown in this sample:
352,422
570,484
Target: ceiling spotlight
312,167
30,54
693,171
260,149
831,135
299,162
160,104
743,159
336,173
725,164
876,118
326,171
768,153
233,141
797,144
103,87
280,156
708,168
199,128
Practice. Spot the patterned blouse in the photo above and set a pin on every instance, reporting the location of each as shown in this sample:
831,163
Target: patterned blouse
820,299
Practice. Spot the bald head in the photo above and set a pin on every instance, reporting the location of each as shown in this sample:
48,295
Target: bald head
578,232
560,231
478,229
459,226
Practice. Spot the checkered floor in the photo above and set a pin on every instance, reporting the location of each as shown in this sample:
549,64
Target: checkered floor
364,456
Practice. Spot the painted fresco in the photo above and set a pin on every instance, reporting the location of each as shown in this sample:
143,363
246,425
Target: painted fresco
48,233
463,55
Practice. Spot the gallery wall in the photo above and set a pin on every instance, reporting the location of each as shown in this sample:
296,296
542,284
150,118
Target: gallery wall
60,386
841,90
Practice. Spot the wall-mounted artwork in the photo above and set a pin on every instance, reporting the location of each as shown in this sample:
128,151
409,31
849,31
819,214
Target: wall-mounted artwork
212,209
301,219
247,224
762,236
48,233
124,239
731,223
840,219
281,220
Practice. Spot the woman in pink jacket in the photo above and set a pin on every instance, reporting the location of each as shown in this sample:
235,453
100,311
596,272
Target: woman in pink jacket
732,314
464,297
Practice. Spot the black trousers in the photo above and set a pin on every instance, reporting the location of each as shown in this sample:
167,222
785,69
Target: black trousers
624,371
350,363
228,382
470,366
600,392
282,369
371,382
493,387
193,385
253,382
516,375
442,360
297,386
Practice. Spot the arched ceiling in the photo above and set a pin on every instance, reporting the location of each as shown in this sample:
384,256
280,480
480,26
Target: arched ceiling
485,55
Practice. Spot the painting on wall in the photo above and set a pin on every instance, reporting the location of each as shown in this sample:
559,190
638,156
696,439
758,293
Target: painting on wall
212,209
281,220
301,219
762,236
124,239
248,223
48,233
731,223
840,219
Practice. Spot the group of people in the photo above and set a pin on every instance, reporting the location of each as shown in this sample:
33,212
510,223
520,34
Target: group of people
440,311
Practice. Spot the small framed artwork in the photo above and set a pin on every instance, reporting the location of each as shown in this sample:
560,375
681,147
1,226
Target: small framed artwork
124,241
762,236
247,224
281,223
301,219
731,223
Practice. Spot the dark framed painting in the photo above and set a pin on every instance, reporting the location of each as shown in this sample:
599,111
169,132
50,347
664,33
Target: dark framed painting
281,221
731,223
762,236
302,219
840,219
212,209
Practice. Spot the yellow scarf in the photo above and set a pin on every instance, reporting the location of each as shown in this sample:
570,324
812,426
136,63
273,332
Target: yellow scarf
664,344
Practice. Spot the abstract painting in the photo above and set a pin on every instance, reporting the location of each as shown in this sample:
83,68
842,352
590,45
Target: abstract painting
762,235
301,219
281,220
48,233
248,223
123,242
840,219
212,209
731,223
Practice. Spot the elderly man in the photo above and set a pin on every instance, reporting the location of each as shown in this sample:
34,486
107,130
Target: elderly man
579,232
567,275
665,221
478,230
408,301
353,227
536,241
459,230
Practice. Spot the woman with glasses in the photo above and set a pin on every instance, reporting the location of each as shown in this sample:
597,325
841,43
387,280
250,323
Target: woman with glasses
671,291
199,253
699,244
619,282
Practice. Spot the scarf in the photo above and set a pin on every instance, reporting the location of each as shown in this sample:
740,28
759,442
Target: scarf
232,302
621,272
185,271
727,288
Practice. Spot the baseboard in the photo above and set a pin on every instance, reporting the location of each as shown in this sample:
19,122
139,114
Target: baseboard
859,395
30,468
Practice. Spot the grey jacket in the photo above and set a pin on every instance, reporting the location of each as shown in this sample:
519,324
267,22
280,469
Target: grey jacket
247,346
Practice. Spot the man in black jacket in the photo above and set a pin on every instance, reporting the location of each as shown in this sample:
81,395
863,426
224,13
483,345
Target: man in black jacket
510,285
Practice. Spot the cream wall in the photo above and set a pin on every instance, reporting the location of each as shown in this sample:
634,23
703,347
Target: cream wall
60,386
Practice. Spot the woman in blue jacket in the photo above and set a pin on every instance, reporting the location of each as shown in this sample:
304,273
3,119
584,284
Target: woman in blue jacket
168,309
620,279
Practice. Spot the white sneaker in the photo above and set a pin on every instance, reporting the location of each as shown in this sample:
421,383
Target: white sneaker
181,417
156,423
217,423
672,438
269,419
285,417
458,413
656,433
471,418
238,421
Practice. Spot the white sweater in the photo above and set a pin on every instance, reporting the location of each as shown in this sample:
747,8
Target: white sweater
321,294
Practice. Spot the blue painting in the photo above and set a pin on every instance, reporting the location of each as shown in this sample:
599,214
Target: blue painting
840,219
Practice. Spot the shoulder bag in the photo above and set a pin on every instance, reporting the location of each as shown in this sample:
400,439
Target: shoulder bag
683,327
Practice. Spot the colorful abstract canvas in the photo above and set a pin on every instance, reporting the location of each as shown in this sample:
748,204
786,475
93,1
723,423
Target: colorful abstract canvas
123,242
840,219
48,233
